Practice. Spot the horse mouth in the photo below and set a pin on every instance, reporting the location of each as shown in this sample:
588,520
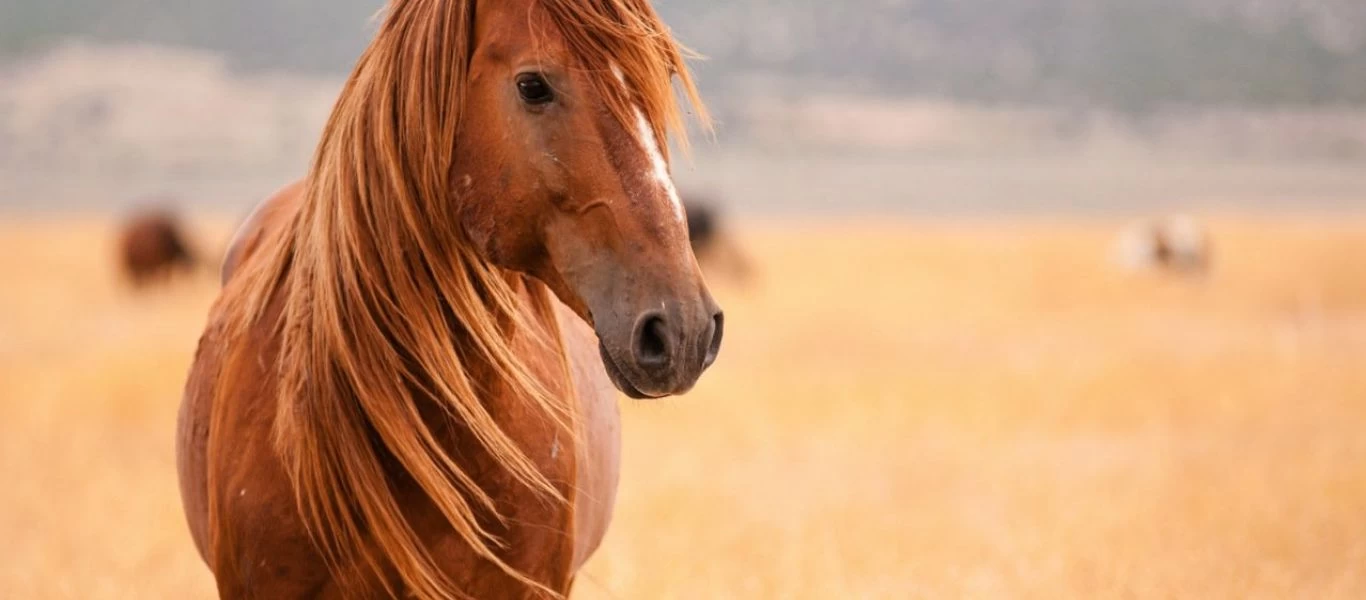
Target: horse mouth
620,380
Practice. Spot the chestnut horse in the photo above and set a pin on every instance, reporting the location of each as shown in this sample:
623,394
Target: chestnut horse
152,246
405,388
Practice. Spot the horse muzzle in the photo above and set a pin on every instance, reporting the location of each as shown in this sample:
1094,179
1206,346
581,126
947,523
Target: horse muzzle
663,351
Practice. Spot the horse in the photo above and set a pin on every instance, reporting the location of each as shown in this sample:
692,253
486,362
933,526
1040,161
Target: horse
1177,244
712,244
152,247
407,385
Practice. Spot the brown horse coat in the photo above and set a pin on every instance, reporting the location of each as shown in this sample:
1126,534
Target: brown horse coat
152,246
255,493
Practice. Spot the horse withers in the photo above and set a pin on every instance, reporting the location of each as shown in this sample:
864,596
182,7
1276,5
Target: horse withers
406,386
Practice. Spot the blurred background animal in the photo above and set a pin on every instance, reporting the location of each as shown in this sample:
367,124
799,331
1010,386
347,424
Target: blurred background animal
153,247
714,245
1177,244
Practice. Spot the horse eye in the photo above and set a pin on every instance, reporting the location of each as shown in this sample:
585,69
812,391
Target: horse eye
533,89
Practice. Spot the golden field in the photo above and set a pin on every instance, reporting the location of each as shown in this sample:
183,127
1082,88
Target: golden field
914,410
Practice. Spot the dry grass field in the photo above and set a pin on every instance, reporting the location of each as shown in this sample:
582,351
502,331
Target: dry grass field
915,410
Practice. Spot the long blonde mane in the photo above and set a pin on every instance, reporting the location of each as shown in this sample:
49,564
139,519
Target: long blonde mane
384,302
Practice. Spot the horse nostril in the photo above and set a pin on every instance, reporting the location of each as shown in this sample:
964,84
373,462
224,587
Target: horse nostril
718,322
652,343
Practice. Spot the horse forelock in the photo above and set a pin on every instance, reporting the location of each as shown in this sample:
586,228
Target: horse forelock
633,61
380,295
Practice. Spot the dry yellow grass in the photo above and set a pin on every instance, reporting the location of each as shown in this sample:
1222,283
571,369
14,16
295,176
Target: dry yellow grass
901,411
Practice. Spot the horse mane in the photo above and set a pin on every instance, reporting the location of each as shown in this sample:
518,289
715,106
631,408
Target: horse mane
382,299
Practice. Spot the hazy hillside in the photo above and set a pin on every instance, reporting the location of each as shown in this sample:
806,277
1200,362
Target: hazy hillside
1127,54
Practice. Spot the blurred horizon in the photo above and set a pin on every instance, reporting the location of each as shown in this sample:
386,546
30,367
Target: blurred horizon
889,106
1108,54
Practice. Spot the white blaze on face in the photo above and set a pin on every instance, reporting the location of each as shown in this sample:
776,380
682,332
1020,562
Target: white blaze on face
659,169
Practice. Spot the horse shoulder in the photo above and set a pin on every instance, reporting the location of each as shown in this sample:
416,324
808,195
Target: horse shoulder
252,538
192,435
196,408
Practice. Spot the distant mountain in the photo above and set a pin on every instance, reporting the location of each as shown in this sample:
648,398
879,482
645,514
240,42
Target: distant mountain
1131,55
310,35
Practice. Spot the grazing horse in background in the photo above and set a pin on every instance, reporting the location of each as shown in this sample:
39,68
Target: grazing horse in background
405,388
152,246
1177,244
714,246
